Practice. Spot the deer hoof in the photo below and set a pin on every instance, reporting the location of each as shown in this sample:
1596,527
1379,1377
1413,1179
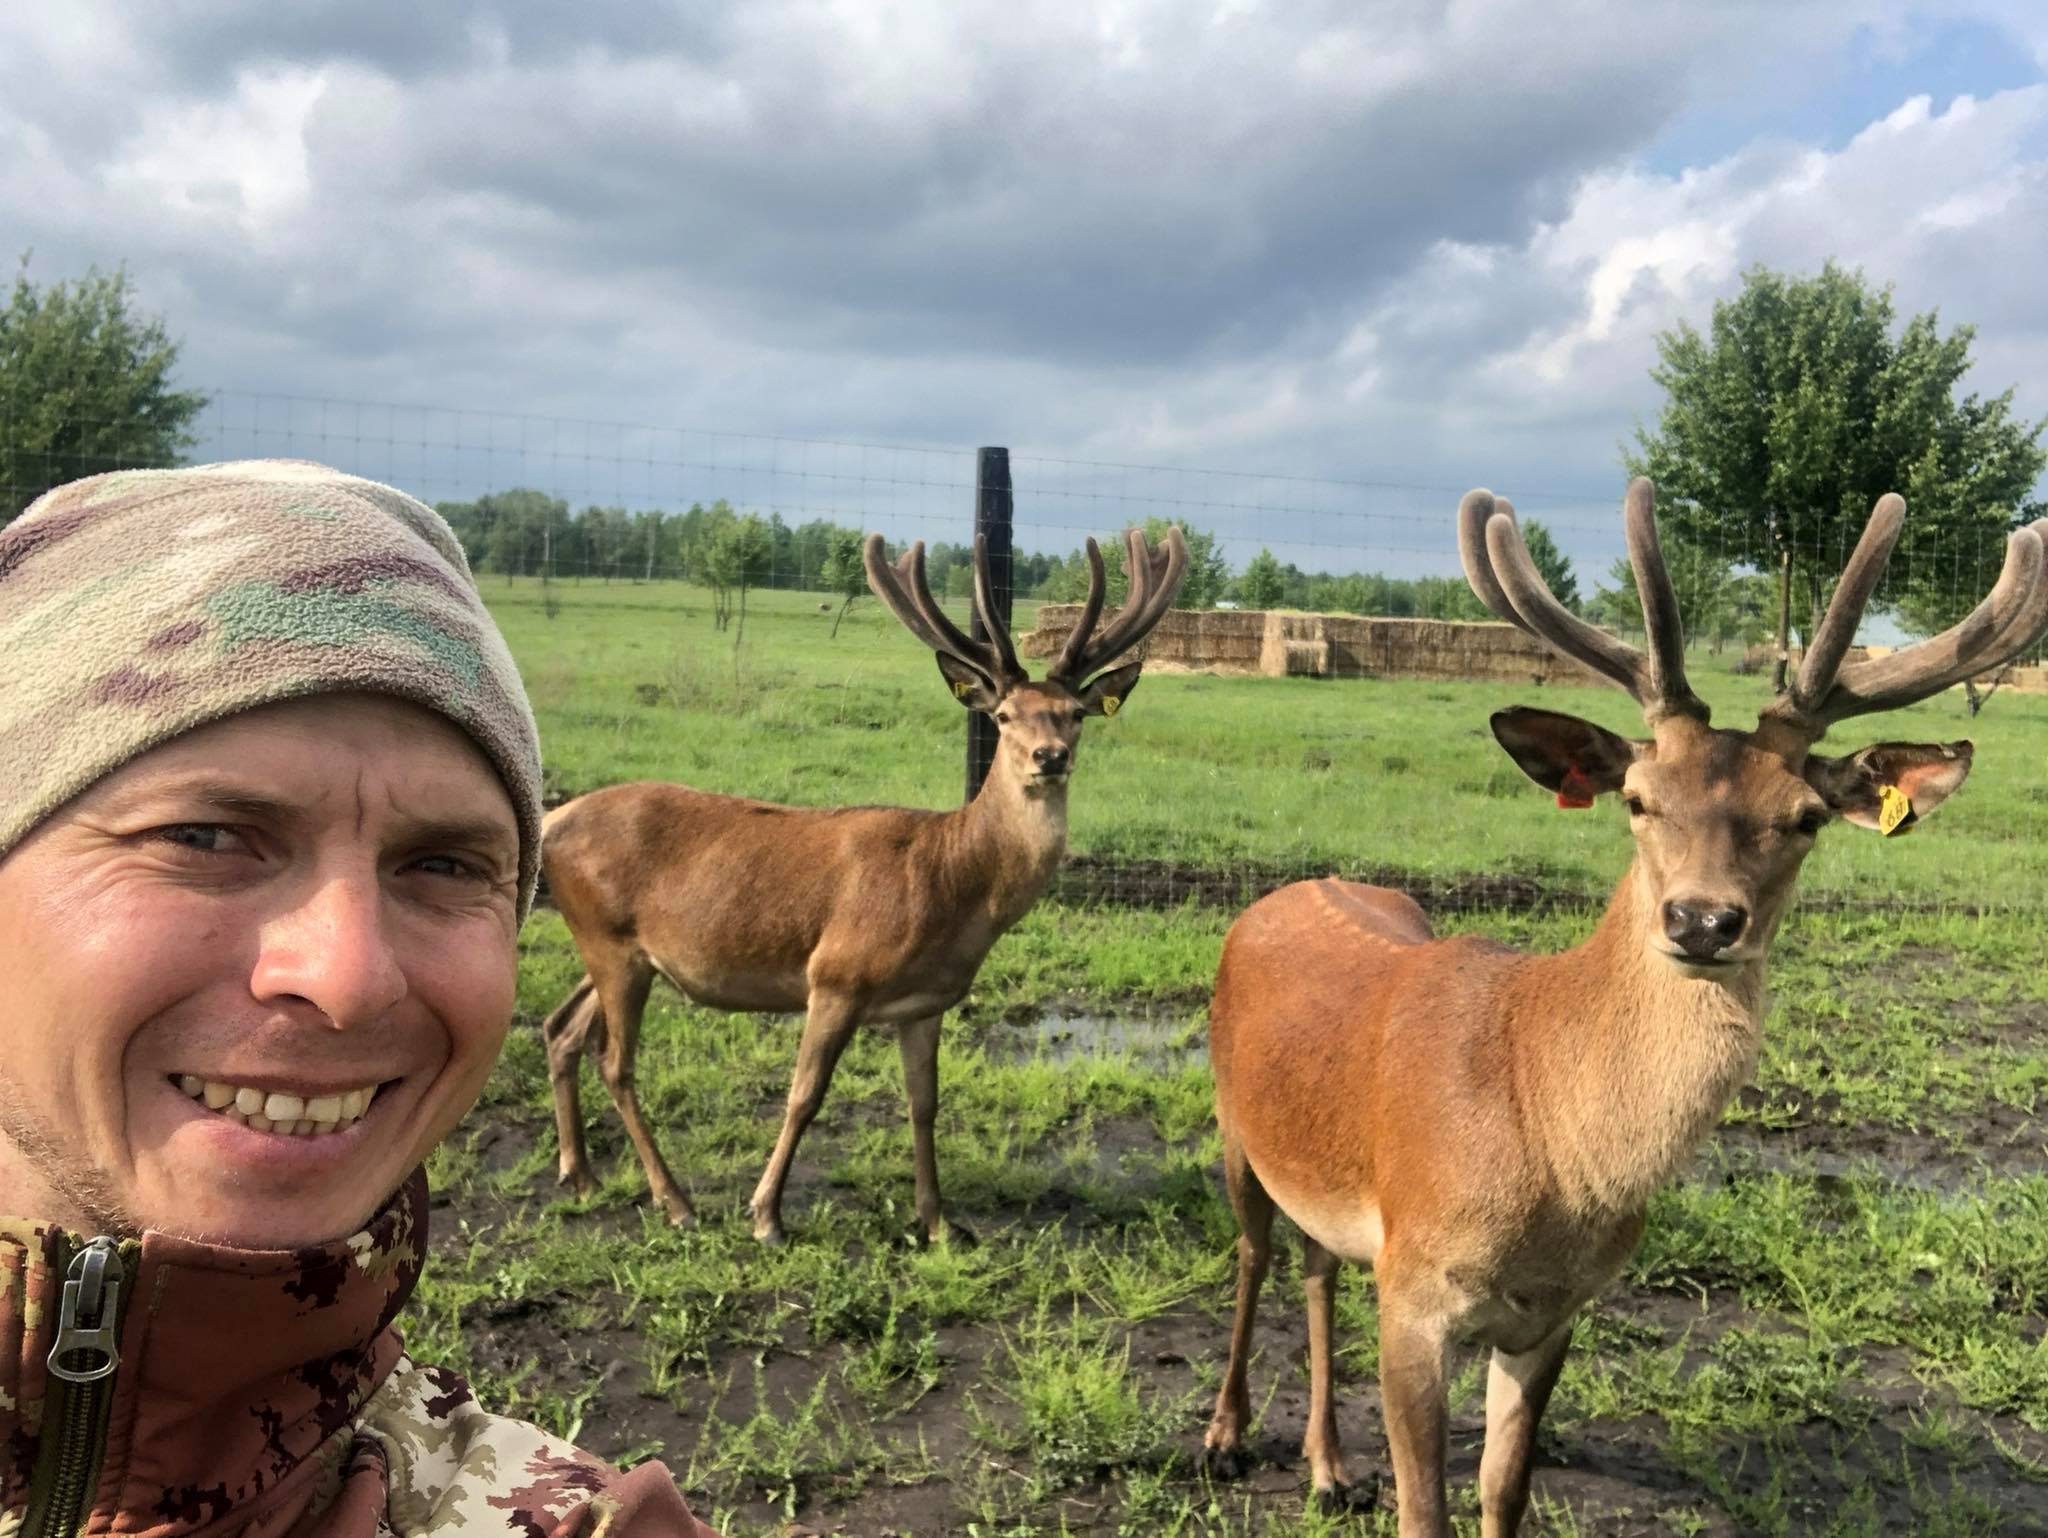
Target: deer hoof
1231,1462
953,1235
579,1181
1351,1495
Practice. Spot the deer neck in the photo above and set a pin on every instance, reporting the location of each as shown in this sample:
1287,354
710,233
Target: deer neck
1625,1063
1006,844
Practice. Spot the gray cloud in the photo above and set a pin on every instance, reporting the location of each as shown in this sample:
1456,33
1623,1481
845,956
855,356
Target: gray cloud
1393,246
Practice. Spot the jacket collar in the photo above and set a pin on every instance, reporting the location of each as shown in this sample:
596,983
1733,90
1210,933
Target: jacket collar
238,1368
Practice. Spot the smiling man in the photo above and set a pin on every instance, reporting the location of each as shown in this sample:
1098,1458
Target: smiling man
269,816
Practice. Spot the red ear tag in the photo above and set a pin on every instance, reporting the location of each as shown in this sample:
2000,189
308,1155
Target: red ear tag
1577,791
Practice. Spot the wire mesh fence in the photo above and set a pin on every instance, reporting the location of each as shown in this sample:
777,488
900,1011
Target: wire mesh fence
1220,790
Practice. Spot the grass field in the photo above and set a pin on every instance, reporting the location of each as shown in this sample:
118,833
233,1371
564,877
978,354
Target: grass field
1835,1324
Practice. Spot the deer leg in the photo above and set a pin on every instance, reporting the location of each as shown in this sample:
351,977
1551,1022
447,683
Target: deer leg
1518,1387
1223,1444
1333,1487
1414,1389
623,998
828,1027
568,1031
919,1043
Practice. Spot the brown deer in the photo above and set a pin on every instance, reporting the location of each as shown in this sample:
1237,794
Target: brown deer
871,915
1485,1128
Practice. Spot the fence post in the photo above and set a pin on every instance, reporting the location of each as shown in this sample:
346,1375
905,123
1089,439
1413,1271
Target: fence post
992,510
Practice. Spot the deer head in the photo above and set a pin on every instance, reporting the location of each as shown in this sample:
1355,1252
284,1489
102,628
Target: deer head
1038,724
1722,820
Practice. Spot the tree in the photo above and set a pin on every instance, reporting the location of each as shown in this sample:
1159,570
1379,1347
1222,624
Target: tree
522,525
1552,562
1067,581
844,570
1784,425
1715,605
85,386
1263,584
743,554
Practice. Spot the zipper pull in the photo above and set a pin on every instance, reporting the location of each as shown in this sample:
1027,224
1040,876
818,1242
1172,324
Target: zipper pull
85,1349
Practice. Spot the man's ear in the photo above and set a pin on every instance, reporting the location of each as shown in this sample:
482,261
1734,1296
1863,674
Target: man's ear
1925,774
1105,695
1562,753
971,687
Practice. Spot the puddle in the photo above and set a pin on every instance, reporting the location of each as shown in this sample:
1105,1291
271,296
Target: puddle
1168,1039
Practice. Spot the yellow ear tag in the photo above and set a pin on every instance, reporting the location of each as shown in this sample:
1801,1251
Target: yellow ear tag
962,688
1111,704
1892,809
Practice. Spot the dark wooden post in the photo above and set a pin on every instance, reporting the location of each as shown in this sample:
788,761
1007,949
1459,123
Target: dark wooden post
992,510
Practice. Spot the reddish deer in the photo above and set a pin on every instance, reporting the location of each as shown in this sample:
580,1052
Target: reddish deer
864,916
1485,1128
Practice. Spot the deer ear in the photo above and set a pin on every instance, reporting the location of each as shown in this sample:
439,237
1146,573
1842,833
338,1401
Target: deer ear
1105,694
1891,785
971,687
1563,753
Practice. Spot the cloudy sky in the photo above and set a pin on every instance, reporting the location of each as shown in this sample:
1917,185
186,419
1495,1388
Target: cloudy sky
1369,253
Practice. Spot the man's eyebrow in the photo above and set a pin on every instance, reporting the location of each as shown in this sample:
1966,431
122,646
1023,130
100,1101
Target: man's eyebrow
219,795
475,831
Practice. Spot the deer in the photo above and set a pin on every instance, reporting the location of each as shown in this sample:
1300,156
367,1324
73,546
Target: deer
873,915
1484,1128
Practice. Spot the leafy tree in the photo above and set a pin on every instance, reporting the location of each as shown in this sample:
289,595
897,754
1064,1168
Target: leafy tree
1552,562
1067,581
1783,426
742,552
844,570
1263,584
523,524
85,386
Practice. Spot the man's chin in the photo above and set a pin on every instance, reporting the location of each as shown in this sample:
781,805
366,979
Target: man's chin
247,1221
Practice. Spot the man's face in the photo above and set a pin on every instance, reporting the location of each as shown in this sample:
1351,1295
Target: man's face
308,911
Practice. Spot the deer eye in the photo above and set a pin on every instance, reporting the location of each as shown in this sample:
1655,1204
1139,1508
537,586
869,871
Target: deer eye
1811,821
1002,718
1635,806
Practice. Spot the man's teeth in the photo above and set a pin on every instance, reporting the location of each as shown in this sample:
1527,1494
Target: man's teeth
275,1111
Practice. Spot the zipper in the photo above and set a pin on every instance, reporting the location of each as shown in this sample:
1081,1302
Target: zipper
81,1396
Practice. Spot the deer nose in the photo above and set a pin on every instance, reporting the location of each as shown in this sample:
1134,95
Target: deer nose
1703,929
1050,760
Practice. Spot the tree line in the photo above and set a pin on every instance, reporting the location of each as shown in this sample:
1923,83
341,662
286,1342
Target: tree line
1803,401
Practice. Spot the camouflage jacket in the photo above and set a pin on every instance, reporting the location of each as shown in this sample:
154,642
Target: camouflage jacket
255,1394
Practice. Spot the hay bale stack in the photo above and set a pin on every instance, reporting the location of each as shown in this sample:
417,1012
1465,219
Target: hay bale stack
1222,640
1286,643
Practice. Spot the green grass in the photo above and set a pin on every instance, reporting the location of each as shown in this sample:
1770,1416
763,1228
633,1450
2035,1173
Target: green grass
1835,1323
631,682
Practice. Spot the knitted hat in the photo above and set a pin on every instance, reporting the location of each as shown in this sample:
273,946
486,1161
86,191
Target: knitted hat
138,605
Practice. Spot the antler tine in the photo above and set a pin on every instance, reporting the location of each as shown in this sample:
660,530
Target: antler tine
1473,513
1004,653
1830,642
2012,617
1162,570
903,589
1662,627
1091,611
1536,611
1156,576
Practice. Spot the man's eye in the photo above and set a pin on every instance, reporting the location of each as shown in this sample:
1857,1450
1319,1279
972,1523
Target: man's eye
452,866
201,837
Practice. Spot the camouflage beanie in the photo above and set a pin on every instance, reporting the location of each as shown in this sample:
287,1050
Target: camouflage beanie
138,605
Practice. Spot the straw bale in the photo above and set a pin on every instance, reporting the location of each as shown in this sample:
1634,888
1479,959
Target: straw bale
1287,643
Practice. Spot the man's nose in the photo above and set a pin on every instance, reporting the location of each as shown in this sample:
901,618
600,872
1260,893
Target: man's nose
333,949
